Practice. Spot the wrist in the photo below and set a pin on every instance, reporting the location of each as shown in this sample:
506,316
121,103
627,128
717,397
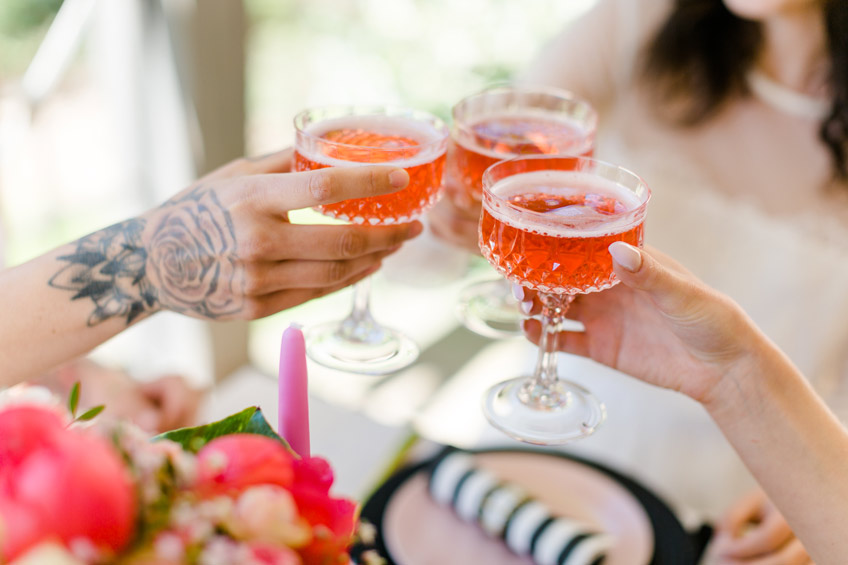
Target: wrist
760,371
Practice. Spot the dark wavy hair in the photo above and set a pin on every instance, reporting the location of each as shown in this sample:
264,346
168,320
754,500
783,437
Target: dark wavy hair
699,58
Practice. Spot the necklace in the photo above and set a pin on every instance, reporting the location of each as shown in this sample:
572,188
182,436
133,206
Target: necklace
784,99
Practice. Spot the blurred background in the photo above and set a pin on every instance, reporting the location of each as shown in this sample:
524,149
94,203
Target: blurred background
108,107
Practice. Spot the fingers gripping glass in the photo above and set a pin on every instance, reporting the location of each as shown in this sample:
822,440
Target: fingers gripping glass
546,224
349,136
501,123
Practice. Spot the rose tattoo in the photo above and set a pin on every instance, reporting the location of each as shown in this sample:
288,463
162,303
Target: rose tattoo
192,260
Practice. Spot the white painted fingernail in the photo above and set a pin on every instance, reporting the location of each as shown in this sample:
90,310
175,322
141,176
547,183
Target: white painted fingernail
398,178
626,255
526,306
518,291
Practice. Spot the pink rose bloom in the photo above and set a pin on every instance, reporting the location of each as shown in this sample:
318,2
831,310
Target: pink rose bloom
229,464
60,483
333,519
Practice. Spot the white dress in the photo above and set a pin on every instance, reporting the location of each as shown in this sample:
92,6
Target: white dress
746,202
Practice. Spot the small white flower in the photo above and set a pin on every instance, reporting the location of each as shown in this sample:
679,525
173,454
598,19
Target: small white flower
47,552
268,513
371,557
169,546
25,394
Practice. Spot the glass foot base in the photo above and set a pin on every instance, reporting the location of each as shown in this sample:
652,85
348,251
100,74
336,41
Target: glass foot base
578,417
380,352
488,308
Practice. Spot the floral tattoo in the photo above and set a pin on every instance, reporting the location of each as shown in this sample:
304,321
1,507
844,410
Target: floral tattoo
108,267
187,263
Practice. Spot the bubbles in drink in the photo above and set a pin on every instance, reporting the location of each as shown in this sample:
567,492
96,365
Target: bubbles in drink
550,229
417,146
372,139
563,201
527,133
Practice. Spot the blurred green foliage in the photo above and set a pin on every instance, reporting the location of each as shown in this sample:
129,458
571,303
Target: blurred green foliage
22,26
22,17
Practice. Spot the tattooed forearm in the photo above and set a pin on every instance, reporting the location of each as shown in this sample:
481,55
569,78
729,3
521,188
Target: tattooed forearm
108,267
185,260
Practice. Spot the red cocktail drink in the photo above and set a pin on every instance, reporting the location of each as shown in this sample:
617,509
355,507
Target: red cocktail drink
547,224
497,124
418,147
550,230
354,136
494,138
505,122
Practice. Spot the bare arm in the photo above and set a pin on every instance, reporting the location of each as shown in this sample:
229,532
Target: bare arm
667,328
221,249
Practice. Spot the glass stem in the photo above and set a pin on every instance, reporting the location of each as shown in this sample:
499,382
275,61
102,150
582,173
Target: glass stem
544,391
360,326
361,300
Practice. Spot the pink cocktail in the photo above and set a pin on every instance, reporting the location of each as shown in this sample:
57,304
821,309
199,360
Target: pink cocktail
505,122
502,123
547,223
352,136
416,146
565,252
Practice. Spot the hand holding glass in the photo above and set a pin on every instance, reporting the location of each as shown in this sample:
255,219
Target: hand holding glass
350,136
546,224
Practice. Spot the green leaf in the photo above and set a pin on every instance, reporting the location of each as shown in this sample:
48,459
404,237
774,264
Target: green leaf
73,399
248,421
90,414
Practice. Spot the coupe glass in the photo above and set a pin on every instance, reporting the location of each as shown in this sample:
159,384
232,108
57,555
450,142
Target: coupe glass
501,123
355,135
546,224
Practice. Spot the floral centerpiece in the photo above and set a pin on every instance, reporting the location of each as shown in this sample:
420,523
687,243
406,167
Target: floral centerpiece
74,490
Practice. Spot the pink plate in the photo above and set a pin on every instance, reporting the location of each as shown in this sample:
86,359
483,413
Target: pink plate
417,531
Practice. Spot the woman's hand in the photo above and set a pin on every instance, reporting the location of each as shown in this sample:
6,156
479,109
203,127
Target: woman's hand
660,325
457,225
174,402
754,532
156,406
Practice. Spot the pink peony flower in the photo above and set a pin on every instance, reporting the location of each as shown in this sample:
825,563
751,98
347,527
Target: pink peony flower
333,520
230,464
62,484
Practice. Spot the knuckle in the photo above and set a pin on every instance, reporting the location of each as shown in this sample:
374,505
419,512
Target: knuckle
255,246
375,178
253,309
352,243
322,185
254,280
240,164
337,270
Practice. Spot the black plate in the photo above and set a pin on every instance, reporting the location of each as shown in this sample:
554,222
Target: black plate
673,545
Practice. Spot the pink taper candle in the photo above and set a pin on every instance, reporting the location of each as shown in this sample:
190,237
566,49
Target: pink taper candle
293,402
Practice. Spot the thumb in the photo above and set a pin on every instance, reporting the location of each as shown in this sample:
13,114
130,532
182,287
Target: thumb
674,294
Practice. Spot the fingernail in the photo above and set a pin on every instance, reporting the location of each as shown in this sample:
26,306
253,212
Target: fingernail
415,229
526,306
626,255
398,178
518,291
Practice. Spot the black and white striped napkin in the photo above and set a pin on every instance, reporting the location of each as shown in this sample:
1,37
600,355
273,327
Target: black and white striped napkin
505,511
